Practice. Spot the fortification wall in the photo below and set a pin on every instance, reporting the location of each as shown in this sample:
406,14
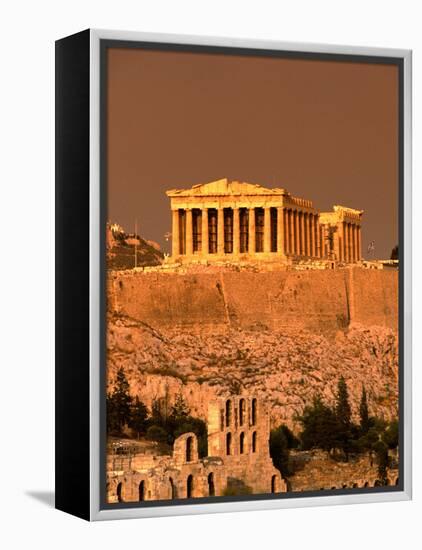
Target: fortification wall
319,301
374,296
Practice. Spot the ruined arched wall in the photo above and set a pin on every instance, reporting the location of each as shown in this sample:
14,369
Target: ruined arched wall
315,470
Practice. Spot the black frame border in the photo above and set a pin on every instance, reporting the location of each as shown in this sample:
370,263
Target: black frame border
72,293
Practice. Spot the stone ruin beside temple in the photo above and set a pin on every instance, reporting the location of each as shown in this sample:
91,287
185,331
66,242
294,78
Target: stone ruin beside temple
239,460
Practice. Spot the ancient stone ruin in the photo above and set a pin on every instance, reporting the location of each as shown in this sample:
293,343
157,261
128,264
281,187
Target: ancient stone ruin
238,461
234,220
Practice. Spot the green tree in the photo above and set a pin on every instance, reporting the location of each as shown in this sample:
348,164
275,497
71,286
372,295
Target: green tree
292,440
391,435
157,433
319,426
367,441
138,416
343,414
180,409
119,402
279,450
381,451
157,417
112,420
364,413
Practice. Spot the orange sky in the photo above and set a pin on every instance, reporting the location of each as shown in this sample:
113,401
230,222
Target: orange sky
323,130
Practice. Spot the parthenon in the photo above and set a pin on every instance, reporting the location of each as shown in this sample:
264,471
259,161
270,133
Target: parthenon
237,220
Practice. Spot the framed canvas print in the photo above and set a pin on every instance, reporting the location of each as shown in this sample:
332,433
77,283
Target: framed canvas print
232,274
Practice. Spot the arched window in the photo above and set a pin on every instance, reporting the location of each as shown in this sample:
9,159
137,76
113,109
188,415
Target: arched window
119,492
189,486
211,486
354,486
228,412
241,411
229,443
254,442
142,490
189,445
366,484
254,411
397,481
172,488
273,483
242,443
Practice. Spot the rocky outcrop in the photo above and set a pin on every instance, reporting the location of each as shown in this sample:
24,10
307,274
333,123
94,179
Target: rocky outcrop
285,368
121,252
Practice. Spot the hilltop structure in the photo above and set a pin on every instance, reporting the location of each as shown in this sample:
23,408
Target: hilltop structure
239,460
232,220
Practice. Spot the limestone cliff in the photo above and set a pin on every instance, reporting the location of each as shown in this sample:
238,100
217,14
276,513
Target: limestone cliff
285,367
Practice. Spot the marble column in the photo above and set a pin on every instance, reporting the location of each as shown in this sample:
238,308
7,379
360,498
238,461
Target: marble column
359,243
292,232
251,228
220,231
267,229
316,242
297,233
302,233
344,244
286,230
280,231
349,244
205,236
341,241
290,229
336,244
312,234
236,231
319,240
189,234
175,245
308,235
356,243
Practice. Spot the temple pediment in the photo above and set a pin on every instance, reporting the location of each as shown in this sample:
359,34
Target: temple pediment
224,187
